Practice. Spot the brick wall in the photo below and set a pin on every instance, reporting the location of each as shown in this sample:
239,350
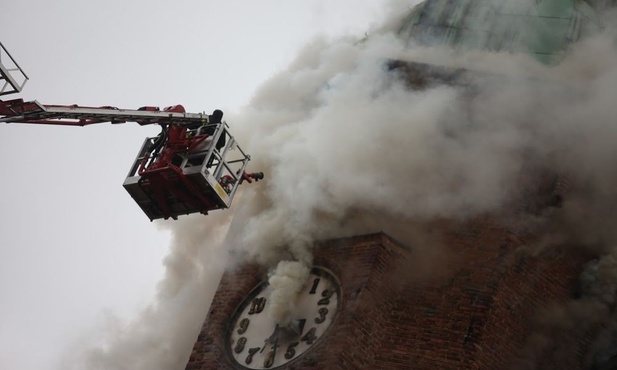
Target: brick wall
477,317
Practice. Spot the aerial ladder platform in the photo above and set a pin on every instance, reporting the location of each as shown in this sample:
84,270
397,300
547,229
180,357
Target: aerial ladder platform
193,165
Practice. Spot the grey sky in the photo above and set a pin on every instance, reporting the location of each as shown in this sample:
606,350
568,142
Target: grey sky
72,242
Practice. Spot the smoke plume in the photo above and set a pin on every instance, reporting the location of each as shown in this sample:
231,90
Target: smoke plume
348,148
592,312
286,281
163,335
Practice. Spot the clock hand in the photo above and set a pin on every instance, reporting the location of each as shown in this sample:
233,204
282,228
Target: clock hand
276,340
265,344
271,338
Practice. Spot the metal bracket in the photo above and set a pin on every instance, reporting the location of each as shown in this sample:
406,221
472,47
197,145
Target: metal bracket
12,77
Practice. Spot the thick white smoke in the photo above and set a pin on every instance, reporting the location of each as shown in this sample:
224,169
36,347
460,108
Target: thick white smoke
347,148
286,281
163,336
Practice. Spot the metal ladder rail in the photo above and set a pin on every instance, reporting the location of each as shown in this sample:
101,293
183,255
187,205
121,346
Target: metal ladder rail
81,116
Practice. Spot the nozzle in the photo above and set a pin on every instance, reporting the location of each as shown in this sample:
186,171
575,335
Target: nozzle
258,176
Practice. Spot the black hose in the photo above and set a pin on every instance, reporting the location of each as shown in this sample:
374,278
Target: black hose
159,141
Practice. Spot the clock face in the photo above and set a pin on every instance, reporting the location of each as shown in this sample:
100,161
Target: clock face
256,341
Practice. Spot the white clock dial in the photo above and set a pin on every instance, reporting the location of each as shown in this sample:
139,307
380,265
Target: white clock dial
257,341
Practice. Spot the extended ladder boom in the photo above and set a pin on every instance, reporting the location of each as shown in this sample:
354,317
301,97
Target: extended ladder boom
18,111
